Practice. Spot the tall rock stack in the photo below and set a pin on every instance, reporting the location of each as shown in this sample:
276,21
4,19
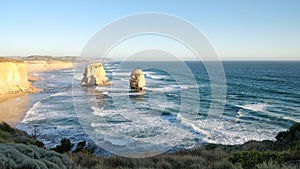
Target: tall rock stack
95,75
137,80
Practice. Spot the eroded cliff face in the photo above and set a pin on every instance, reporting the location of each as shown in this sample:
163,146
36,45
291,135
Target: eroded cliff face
42,66
14,73
95,74
13,77
137,79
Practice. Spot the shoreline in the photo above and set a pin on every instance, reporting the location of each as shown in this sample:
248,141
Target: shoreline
14,106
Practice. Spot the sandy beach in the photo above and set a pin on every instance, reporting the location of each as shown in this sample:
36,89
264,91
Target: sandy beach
13,108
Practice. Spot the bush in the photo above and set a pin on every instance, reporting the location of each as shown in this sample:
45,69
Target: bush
31,157
11,135
268,165
65,146
248,159
290,136
163,165
258,145
83,159
224,164
81,146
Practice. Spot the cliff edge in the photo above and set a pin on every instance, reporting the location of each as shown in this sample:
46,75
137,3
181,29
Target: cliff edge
13,77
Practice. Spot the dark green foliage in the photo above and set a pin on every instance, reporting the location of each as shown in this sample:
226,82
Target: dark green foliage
268,165
11,135
293,134
84,159
81,146
20,156
6,127
258,145
248,159
64,147
224,164
287,139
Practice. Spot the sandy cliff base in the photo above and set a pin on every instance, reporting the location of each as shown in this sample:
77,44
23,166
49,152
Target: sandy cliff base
13,108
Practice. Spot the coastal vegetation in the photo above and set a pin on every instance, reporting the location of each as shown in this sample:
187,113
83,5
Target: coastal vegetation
4,59
20,150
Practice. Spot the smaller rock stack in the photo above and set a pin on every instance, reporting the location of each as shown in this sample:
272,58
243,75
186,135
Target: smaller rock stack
137,79
95,75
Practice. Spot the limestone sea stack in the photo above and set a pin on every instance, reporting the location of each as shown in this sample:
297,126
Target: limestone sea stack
137,79
95,75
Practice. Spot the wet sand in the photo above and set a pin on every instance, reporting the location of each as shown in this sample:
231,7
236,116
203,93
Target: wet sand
13,108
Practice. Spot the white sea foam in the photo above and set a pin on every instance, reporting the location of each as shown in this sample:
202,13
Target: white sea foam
229,132
59,94
255,107
155,130
154,75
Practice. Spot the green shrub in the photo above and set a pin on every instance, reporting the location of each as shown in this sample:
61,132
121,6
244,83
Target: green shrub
84,159
258,145
268,165
117,161
81,146
248,159
163,165
11,135
5,127
290,136
31,157
64,147
224,164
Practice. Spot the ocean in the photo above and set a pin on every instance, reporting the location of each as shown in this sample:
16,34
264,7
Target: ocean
173,111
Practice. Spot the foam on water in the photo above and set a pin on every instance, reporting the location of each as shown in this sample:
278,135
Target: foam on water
219,131
154,75
153,118
255,107
138,126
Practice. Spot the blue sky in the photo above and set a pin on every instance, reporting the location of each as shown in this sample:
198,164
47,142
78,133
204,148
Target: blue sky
238,29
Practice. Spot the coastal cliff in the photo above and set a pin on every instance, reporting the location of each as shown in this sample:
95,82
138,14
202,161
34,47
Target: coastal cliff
14,72
13,77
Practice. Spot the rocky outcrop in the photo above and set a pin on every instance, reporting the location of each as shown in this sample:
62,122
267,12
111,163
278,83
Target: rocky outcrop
47,65
137,80
13,77
95,75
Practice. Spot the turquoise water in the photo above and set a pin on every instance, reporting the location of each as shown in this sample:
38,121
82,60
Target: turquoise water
262,98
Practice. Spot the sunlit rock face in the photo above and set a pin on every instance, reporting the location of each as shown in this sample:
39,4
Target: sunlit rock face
137,79
95,75
13,77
